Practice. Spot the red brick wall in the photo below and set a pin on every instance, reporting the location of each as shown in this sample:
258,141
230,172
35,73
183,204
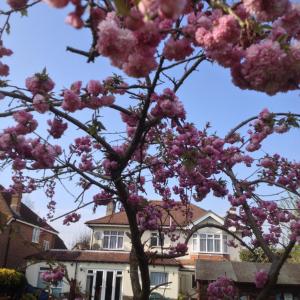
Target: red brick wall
20,244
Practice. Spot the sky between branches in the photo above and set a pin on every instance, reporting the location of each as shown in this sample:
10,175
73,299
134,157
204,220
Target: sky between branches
40,40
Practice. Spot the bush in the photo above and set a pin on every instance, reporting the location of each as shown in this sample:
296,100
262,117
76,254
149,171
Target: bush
11,281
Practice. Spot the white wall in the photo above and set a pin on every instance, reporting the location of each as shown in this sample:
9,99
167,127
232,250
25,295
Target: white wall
171,291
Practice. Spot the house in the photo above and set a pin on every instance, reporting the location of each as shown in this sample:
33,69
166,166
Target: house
22,232
103,271
242,274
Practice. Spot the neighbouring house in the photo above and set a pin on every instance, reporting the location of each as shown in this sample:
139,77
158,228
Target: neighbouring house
103,272
22,232
242,273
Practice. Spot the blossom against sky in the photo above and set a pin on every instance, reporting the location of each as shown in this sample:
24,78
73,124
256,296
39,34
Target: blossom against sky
40,41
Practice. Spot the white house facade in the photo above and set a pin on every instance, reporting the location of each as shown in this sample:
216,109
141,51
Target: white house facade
103,271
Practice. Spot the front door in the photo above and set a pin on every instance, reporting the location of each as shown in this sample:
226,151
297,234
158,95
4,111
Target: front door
104,285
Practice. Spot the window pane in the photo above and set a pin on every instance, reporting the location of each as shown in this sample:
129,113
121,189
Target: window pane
158,278
120,242
113,242
118,288
98,285
217,245
106,232
114,232
195,244
153,241
203,245
105,241
89,287
109,281
121,233
210,244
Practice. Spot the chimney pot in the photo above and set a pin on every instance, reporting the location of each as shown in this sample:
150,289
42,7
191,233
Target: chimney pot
110,208
15,203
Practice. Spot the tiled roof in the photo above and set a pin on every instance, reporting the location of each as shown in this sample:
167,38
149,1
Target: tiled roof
26,214
93,256
243,272
179,215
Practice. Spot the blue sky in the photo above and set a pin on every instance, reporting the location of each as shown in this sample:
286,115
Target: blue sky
40,40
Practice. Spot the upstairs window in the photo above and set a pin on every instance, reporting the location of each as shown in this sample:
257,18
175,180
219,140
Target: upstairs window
46,245
36,235
157,239
113,239
210,243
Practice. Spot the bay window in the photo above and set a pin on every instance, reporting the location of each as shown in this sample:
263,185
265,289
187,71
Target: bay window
113,239
210,243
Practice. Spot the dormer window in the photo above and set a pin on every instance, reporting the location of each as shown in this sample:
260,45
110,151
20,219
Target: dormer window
36,235
210,243
113,240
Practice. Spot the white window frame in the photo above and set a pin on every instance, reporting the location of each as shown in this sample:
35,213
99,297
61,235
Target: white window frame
159,237
198,239
46,245
109,235
158,272
36,235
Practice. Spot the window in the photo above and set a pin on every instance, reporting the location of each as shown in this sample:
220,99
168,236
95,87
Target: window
41,284
113,239
46,245
157,278
210,243
157,239
36,235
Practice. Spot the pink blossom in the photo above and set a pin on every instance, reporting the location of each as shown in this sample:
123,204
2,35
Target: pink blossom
222,288
40,103
261,278
57,127
17,4
74,20
95,87
4,69
57,3
177,49
71,101
114,41
268,68
71,218
266,10
39,83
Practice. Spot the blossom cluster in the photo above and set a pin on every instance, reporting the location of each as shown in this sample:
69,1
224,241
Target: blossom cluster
54,276
4,69
222,288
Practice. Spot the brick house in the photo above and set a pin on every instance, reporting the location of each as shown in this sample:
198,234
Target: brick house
22,232
103,271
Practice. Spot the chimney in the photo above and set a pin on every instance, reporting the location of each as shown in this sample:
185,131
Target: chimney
15,203
110,208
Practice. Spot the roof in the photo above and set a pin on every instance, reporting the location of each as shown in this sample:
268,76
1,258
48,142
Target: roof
93,256
59,243
243,272
178,214
26,214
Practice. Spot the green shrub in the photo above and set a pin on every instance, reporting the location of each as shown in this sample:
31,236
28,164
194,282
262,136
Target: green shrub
11,281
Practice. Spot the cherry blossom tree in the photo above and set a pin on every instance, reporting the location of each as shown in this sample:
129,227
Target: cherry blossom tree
146,39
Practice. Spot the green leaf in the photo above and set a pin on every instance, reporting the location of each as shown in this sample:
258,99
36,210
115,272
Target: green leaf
123,7
24,12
